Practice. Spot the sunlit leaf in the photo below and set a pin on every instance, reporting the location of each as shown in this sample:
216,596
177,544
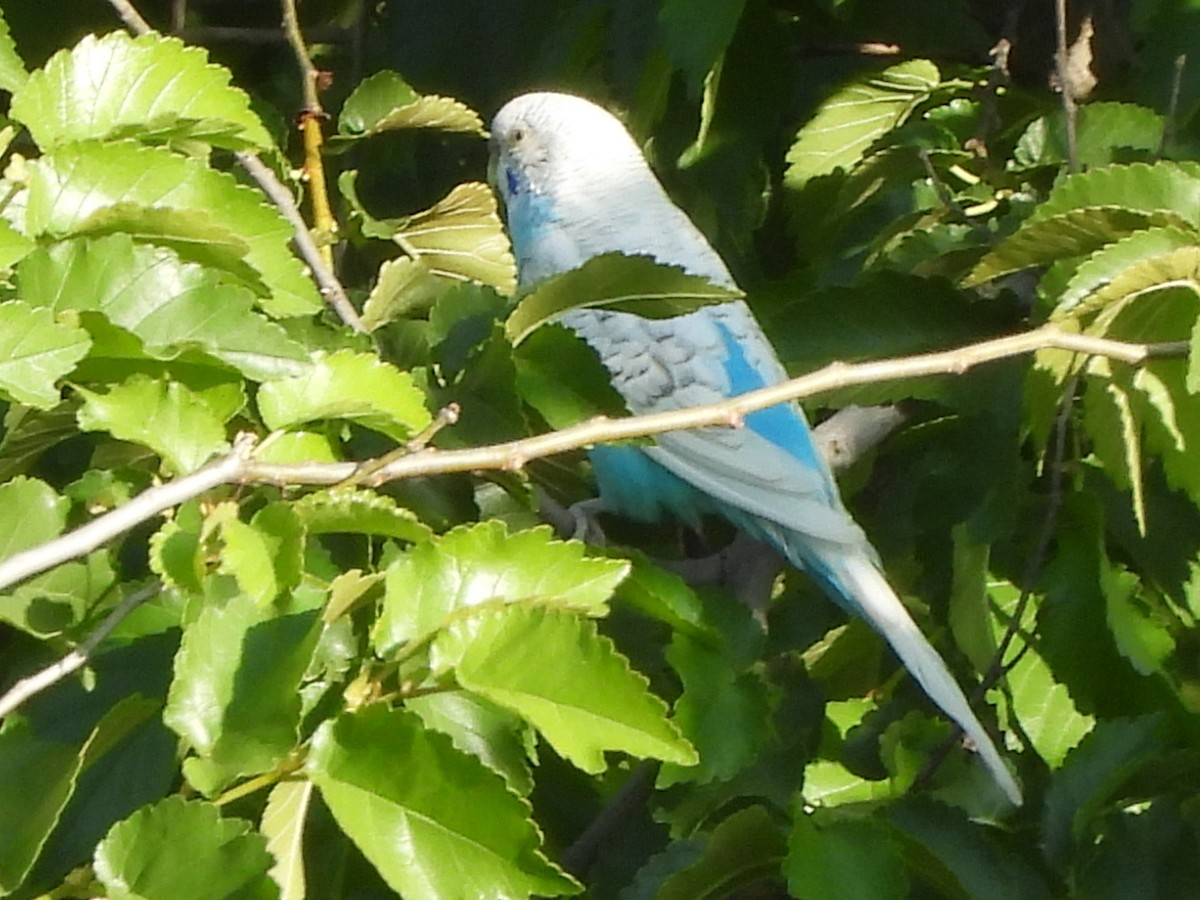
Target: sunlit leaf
552,668
35,352
474,564
165,416
385,102
282,825
461,237
855,117
12,69
151,87
358,387
73,183
170,305
636,284
184,850
440,825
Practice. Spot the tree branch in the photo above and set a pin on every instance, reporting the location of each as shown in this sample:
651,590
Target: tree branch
238,467
37,682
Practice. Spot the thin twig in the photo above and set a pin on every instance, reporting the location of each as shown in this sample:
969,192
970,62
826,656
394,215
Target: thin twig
36,683
1168,135
1054,500
446,416
998,667
131,17
1066,84
144,506
331,288
311,118
237,468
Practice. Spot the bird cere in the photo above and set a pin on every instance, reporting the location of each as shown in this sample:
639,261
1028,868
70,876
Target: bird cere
575,185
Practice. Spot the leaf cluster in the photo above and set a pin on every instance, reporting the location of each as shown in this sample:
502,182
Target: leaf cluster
417,689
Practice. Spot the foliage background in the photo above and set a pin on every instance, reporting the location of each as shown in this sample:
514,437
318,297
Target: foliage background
353,692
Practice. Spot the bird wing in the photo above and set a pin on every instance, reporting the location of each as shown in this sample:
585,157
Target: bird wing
769,467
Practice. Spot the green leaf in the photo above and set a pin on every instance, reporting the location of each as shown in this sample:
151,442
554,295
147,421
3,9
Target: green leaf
723,712
1111,410
440,824
552,668
883,314
1101,128
60,599
351,511
150,87
358,387
13,73
1163,251
170,305
37,777
246,556
297,447
1073,232
636,284
235,696
1170,269
177,552
970,617
1093,774
473,564
14,246
195,236
183,850
855,117
964,857
1162,187
385,102
1042,704
282,825
405,286
1141,637
697,32
830,784
843,856
481,728
745,849
165,416
460,237
36,351
664,596
561,377
68,186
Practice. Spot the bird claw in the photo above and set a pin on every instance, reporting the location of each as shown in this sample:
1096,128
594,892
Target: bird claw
575,522
585,516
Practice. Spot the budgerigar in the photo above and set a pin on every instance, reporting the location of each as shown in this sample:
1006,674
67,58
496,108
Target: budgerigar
575,185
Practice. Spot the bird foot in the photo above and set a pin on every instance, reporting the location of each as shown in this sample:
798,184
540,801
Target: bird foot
579,521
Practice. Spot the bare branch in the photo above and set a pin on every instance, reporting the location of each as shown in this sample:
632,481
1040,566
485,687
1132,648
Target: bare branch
1066,83
131,17
146,505
238,468
331,288
36,683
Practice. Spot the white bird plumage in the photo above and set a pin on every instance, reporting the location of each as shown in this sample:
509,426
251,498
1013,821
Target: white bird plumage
575,186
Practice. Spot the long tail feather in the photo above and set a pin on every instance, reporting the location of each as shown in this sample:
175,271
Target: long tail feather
880,606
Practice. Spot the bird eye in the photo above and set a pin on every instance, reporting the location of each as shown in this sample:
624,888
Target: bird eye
517,135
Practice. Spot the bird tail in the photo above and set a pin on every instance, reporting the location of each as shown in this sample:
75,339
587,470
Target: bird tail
865,587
